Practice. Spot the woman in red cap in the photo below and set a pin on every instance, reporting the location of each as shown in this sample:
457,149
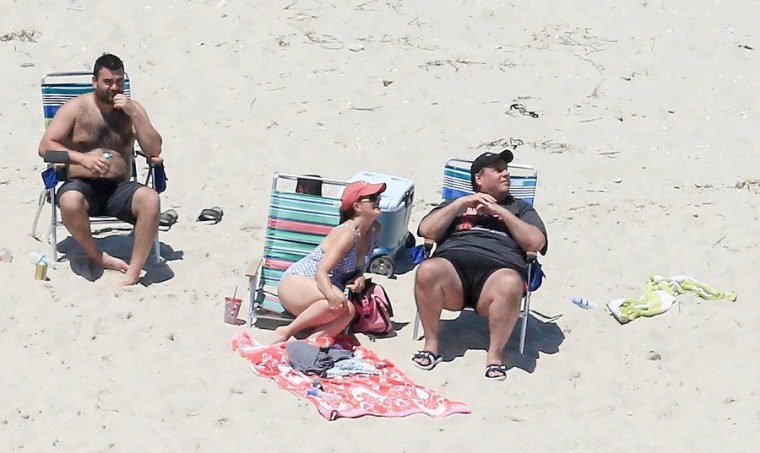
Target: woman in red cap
312,289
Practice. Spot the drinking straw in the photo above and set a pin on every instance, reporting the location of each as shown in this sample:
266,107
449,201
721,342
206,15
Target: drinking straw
234,293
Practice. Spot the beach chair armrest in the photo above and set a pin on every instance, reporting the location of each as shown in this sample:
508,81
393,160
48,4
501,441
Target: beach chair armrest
56,157
253,267
152,160
429,245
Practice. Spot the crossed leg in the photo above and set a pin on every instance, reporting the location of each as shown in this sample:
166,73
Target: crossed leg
74,208
146,207
300,296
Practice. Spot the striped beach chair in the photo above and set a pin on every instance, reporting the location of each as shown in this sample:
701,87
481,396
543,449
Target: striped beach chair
296,224
57,89
522,185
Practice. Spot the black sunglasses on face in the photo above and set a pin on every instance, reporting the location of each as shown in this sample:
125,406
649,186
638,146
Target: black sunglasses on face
374,198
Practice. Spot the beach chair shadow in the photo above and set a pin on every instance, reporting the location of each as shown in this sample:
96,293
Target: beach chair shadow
523,181
58,88
469,331
119,246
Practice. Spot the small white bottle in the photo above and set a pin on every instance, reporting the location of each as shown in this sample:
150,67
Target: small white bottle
583,303
6,255
39,258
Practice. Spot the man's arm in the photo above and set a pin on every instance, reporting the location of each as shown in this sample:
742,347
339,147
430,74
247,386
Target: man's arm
147,136
59,131
436,224
529,237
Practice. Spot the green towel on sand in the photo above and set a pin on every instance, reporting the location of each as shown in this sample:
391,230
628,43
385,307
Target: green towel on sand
660,295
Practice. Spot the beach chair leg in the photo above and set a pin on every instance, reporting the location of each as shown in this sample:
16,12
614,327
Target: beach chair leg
157,250
416,337
524,326
53,228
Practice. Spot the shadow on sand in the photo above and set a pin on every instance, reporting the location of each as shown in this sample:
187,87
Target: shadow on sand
119,246
470,331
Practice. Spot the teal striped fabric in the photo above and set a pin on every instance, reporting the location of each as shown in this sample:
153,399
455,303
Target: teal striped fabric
296,225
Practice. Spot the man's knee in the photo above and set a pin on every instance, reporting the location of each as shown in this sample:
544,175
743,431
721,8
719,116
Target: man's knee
72,202
146,201
506,282
432,271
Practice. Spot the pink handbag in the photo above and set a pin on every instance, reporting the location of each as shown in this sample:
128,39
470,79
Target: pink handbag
373,310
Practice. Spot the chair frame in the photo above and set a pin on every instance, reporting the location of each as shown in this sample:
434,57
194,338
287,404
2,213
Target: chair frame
296,224
523,181
54,95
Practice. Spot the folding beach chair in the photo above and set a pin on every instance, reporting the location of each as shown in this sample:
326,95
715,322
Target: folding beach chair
297,223
523,179
58,88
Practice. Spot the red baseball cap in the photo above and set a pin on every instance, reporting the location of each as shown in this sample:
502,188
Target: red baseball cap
358,189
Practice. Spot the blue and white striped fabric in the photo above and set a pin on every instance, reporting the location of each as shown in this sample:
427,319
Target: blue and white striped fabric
60,87
456,180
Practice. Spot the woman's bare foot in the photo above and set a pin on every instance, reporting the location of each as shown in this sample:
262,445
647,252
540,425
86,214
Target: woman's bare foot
116,264
281,334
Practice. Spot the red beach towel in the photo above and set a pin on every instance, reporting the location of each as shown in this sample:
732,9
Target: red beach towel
387,394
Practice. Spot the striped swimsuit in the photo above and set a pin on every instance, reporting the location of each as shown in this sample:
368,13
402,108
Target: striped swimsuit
347,267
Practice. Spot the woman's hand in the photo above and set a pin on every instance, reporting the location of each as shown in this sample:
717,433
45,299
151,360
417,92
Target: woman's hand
357,284
337,303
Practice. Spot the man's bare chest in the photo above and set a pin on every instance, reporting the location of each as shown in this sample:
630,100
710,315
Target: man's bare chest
95,130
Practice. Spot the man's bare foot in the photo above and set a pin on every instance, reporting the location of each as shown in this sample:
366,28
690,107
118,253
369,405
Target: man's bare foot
130,280
109,262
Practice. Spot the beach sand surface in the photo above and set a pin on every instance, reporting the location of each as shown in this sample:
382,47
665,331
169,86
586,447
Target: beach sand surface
645,144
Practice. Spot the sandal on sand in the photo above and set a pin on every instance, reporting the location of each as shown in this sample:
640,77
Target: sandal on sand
426,360
496,372
168,218
211,215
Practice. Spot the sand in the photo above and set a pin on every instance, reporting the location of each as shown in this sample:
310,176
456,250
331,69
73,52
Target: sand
644,143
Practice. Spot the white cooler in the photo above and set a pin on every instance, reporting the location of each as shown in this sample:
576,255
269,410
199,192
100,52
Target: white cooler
396,206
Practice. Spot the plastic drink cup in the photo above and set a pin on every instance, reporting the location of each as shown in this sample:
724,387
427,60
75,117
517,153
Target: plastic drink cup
231,309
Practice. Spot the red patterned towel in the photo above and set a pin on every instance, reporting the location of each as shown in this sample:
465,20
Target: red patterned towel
388,394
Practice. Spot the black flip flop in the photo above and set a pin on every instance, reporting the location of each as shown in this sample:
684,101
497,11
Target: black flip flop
213,215
168,218
431,359
496,372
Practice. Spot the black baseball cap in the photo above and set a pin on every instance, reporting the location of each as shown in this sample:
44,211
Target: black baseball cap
487,159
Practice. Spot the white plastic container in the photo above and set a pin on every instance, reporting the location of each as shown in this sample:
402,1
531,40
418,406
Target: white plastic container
6,255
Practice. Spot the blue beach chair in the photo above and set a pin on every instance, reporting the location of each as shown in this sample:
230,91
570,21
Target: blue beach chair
58,88
523,180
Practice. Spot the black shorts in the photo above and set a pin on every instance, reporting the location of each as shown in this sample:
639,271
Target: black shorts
473,271
105,197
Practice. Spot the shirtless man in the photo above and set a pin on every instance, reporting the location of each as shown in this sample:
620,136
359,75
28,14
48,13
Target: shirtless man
98,130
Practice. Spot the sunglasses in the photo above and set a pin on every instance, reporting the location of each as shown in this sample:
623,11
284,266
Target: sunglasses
374,198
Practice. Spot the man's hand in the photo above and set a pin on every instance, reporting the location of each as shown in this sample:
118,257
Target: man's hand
96,164
123,103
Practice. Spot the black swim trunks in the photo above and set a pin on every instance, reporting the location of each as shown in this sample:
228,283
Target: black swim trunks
105,197
473,271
